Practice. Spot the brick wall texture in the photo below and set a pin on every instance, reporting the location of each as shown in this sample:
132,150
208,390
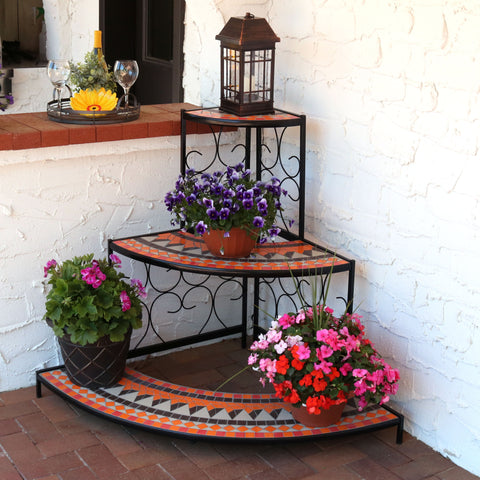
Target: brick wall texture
391,94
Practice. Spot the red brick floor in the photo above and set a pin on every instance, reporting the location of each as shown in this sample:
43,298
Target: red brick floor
48,439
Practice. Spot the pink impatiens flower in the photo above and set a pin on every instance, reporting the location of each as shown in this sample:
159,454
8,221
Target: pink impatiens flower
252,359
300,318
286,321
303,352
324,366
324,352
345,369
273,336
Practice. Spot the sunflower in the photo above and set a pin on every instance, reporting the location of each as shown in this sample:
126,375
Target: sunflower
94,100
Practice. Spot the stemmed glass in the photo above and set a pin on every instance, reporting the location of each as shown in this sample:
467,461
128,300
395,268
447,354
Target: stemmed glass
58,72
126,73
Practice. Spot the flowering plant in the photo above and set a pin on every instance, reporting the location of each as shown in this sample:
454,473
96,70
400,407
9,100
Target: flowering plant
90,299
8,101
315,359
8,97
223,200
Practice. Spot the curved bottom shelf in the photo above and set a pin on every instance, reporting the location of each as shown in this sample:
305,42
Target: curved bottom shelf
144,402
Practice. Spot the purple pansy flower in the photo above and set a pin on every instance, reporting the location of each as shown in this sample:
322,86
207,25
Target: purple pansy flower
258,222
201,228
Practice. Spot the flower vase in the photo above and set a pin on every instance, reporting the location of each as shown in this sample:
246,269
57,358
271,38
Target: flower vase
239,242
97,365
324,419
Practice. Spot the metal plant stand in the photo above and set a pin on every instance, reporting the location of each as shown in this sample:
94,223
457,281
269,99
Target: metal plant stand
261,281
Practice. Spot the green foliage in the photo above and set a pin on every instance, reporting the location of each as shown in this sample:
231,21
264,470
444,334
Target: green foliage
90,299
91,74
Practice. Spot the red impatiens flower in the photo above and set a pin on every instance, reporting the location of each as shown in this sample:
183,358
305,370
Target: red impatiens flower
282,365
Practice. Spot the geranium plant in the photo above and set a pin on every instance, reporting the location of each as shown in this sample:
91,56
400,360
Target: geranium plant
90,299
226,199
315,359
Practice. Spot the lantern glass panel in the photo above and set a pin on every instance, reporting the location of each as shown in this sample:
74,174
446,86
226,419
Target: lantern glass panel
231,73
248,79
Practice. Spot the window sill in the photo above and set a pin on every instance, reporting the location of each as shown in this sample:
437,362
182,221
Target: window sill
35,130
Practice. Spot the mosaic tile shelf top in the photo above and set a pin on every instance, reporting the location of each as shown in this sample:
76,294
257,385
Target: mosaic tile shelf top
180,249
219,116
141,401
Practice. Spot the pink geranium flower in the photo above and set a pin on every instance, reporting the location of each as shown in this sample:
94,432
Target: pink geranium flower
50,264
125,299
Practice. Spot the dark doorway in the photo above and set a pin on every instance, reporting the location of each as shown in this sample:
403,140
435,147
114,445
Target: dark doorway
150,32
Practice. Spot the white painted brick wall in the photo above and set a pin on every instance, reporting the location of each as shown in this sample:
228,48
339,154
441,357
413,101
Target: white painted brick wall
60,202
391,93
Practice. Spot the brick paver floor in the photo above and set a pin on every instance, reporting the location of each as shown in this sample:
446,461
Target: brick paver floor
48,439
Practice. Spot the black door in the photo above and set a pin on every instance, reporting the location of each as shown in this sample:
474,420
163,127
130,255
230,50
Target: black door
150,32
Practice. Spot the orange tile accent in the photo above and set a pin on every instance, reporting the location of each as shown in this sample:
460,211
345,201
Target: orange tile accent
23,136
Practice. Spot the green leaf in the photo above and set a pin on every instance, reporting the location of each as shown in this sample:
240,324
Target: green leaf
82,337
118,334
61,288
86,307
104,299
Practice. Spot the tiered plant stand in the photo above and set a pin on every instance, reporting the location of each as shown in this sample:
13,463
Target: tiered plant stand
158,406
266,276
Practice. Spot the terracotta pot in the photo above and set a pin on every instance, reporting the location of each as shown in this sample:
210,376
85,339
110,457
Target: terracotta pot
239,244
323,419
95,365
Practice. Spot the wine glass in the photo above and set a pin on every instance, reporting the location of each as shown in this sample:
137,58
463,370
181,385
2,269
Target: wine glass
58,72
126,73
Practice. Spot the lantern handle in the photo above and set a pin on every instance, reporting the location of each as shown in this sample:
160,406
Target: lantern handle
249,15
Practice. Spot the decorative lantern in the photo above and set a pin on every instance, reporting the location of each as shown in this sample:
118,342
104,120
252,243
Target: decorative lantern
247,53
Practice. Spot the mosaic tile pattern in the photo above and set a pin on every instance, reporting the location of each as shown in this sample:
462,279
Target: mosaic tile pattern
142,401
218,114
184,249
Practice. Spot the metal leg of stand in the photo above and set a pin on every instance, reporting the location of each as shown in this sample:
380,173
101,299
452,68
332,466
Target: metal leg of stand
351,286
244,311
399,438
38,388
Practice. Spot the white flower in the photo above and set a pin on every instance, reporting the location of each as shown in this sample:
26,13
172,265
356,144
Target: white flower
294,340
280,347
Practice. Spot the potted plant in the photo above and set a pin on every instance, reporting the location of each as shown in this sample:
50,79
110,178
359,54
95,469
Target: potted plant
226,204
317,361
94,85
92,73
92,310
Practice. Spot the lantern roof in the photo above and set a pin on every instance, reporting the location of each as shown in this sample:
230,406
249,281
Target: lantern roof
248,32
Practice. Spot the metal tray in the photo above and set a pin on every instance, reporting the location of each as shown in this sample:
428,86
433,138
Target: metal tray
65,114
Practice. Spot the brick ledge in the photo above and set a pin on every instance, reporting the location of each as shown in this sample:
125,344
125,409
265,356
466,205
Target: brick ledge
34,130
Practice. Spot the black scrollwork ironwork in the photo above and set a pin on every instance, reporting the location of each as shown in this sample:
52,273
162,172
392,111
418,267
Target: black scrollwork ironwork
180,295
